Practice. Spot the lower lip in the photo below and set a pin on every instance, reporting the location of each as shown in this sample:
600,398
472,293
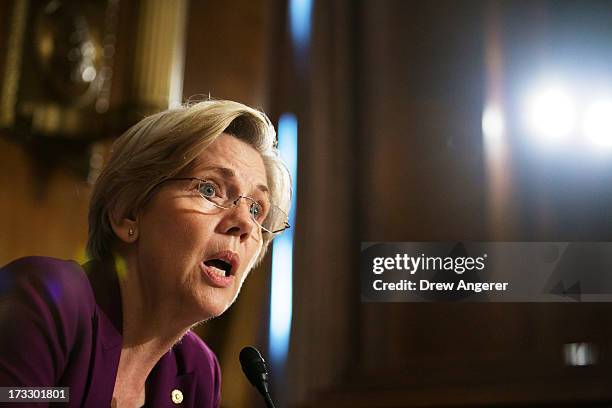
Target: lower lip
215,280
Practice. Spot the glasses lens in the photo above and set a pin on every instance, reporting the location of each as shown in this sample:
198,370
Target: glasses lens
276,220
211,202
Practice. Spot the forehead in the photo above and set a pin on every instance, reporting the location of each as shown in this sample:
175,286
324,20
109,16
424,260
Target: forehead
232,158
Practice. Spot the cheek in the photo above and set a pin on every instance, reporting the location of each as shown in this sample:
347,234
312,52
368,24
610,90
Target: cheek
254,255
178,239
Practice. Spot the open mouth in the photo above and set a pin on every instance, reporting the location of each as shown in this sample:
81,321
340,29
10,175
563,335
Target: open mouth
219,266
224,263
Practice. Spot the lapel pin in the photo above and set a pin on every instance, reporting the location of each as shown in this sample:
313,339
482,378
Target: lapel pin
177,396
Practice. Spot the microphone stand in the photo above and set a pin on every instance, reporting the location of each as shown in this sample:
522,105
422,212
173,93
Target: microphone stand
268,400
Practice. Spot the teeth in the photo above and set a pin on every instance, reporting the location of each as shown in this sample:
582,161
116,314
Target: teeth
219,264
217,271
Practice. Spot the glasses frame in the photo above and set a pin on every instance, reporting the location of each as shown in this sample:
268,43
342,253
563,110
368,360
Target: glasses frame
234,204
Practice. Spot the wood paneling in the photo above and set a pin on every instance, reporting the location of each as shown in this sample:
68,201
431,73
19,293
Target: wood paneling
408,158
227,51
40,214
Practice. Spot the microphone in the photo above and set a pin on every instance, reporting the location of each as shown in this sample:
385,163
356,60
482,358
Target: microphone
256,371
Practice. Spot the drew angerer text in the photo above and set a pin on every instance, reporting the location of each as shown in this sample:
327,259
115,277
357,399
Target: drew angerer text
412,264
425,285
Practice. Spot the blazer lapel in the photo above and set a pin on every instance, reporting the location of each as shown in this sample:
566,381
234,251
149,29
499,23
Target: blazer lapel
107,328
104,363
167,388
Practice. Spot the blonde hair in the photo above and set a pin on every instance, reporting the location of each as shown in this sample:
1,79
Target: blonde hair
162,146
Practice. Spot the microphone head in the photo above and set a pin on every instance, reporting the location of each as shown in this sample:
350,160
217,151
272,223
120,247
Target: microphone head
254,367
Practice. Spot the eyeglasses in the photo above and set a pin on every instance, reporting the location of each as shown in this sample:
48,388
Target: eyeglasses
269,217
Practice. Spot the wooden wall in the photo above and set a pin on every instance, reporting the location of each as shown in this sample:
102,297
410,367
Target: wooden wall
40,214
395,97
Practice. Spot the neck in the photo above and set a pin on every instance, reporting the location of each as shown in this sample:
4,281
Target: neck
151,326
150,320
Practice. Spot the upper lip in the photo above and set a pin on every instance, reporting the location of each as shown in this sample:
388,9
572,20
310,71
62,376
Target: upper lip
228,256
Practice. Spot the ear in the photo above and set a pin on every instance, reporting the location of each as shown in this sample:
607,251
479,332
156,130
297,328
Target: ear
125,228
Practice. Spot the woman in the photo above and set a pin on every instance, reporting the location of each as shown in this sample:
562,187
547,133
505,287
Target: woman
185,207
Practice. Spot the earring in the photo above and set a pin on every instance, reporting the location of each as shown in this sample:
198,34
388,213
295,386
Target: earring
131,232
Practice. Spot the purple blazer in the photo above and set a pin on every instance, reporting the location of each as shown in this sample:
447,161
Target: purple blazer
61,326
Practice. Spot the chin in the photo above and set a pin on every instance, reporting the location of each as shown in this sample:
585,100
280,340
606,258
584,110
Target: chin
214,307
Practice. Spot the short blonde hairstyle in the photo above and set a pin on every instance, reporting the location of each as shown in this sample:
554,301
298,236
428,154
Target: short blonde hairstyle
162,146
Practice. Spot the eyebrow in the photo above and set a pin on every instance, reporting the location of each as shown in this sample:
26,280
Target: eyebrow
229,173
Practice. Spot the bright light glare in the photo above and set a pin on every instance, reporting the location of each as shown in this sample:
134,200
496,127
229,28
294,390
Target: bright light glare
597,125
300,12
281,299
492,124
551,113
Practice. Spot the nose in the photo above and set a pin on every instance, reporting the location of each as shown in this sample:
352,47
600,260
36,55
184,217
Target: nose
237,221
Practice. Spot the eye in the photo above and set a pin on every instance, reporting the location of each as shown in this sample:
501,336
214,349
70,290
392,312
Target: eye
208,189
257,211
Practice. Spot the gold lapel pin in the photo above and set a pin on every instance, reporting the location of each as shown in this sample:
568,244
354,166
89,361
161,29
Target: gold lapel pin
177,396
